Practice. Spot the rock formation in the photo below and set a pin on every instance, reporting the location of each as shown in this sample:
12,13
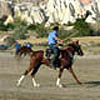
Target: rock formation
4,9
56,11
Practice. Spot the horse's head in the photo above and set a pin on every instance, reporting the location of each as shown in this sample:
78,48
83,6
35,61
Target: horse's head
77,47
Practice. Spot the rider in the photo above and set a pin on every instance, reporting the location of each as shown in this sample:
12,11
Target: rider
28,45
17,45
52,42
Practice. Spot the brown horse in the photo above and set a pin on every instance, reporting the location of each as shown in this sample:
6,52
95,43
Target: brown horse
65,62
23,51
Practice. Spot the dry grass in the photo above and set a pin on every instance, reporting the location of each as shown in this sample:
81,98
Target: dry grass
95,39
81,39
34,41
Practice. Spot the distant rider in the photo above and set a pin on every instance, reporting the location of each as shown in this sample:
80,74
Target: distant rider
17,45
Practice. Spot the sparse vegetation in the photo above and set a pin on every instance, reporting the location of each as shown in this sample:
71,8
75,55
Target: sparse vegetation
10,41
39,29
20,30
96,28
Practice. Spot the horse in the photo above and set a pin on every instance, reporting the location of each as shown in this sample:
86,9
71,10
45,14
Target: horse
66,60
23,51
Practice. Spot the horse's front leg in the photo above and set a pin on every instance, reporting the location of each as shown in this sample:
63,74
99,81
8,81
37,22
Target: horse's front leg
36,68
23,76
75,77
58,84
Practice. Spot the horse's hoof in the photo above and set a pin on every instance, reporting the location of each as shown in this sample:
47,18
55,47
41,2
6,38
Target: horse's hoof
79,83
37,85
17,84
59,85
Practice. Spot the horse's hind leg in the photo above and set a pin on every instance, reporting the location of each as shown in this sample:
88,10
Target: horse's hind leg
23,76
58,84
33,75
16,54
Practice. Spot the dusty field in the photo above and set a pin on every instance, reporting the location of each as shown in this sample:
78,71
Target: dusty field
87,69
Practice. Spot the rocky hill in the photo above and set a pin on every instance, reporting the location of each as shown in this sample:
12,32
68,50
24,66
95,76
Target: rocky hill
53,11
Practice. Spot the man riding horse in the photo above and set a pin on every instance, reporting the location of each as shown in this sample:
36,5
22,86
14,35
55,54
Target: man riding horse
37,58
52,42
66,58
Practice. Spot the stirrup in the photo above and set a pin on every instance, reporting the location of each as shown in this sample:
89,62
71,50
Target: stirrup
52,65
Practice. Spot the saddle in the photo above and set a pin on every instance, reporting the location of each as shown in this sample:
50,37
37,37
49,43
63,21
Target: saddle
49,55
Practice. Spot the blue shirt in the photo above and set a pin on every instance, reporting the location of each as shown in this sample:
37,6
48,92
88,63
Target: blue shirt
51,38
17,46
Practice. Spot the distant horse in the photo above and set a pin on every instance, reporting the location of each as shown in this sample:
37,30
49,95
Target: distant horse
65,62
23,51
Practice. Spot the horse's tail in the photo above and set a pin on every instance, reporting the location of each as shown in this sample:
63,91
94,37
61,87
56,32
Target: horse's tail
24,51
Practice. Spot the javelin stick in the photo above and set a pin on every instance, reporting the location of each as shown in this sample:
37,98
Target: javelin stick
70,40
65,42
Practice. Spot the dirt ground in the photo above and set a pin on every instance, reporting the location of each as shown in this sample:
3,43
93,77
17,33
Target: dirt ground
87,68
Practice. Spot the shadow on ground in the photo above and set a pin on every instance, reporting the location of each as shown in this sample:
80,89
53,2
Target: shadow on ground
92,83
